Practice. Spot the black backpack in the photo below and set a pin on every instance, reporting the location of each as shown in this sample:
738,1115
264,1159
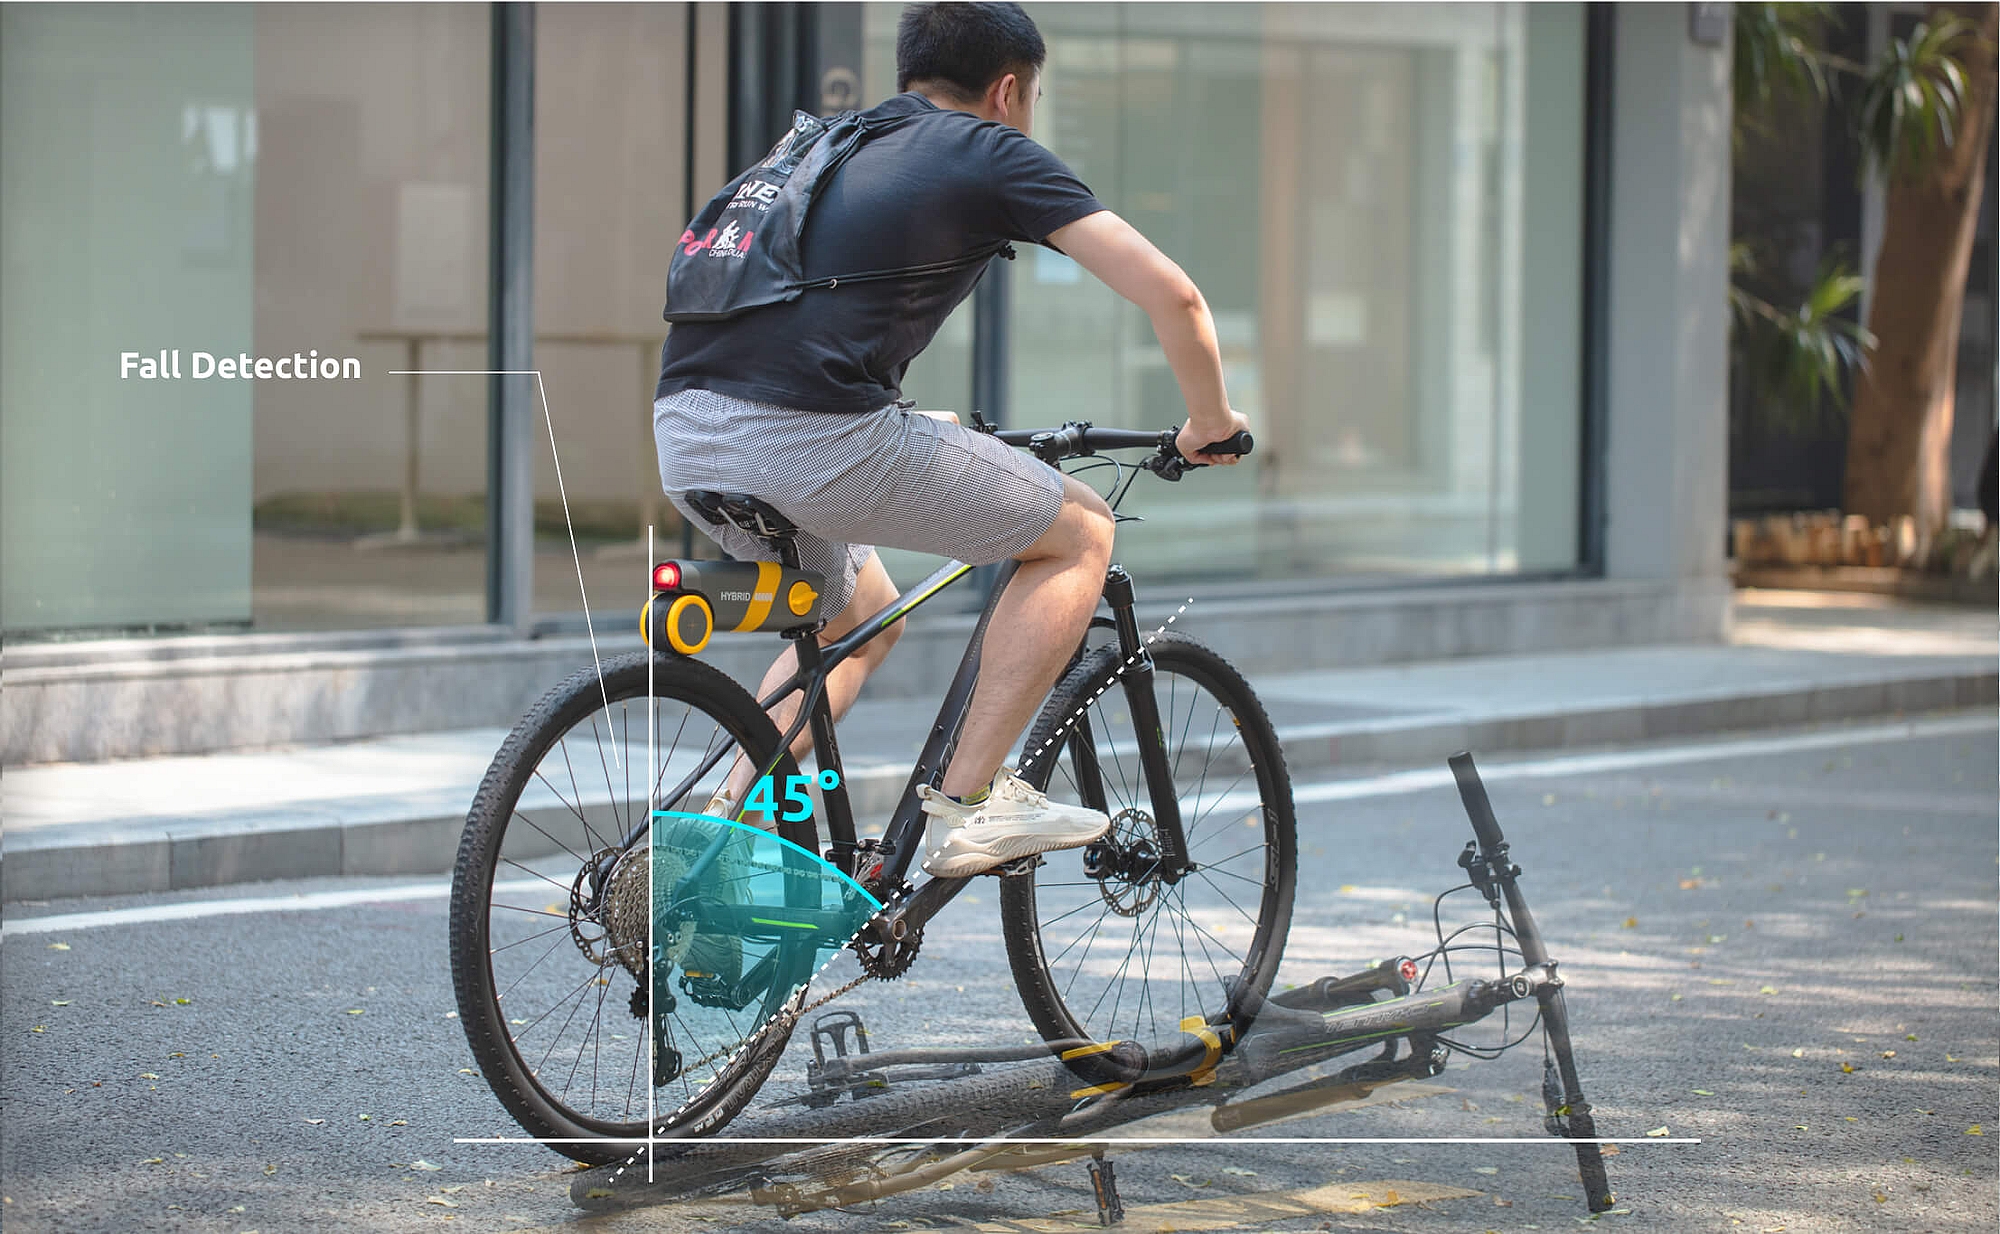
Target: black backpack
742,251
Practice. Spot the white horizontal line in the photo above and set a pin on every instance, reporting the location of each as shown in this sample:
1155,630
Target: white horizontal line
464,372
194,909
1084,1141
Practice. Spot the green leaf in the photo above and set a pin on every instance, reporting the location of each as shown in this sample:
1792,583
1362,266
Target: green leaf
1907,112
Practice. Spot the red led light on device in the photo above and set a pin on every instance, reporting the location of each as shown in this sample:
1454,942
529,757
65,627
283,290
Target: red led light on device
1408,970
667,576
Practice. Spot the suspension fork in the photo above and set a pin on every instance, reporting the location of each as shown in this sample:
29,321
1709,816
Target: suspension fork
1137,681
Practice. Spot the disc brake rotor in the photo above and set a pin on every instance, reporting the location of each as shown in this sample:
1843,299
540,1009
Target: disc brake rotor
1127,862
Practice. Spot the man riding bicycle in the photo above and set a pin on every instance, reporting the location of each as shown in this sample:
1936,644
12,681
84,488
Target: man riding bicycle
800,404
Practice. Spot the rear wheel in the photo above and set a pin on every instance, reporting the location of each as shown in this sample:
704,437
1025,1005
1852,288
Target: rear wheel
585,1016
1103,947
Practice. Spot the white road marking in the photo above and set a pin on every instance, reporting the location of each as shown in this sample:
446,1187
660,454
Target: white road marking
1387,785
194,909
1626,760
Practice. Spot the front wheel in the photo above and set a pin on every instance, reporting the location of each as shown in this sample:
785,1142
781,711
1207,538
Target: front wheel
1103,945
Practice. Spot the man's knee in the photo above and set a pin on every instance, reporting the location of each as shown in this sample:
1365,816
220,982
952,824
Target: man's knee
1083,528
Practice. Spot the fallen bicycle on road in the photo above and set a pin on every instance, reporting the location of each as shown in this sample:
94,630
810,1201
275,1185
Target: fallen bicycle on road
875,1123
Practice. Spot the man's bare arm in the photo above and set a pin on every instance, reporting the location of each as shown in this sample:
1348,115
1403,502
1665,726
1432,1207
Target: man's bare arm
1114,251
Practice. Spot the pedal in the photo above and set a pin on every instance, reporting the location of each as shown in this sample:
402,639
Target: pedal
830,1032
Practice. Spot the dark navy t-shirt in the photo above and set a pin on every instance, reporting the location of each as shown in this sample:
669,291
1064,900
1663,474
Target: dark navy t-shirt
939,185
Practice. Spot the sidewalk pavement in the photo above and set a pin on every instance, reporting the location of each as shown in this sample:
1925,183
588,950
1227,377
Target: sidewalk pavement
396,805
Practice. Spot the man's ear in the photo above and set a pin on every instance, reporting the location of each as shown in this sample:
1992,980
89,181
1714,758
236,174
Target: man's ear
1000,97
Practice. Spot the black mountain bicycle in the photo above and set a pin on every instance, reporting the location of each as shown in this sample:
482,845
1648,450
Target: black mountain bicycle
624,964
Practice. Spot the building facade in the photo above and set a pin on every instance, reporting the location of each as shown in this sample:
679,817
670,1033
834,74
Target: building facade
1466,261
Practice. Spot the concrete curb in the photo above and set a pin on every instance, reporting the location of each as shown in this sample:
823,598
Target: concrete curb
419,834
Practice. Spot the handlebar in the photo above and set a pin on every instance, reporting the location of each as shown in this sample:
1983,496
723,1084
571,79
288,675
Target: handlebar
1080,438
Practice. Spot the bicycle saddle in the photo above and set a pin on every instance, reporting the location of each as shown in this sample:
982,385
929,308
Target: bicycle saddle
749,513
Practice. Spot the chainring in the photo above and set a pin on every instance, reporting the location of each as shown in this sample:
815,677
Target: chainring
889,960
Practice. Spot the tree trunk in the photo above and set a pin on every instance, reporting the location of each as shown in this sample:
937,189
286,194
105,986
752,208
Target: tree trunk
1898,444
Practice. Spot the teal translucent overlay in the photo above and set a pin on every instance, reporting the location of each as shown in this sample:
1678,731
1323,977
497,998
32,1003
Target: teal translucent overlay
741,914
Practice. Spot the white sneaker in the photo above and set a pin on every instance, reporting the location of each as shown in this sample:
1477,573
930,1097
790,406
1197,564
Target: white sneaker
1013,821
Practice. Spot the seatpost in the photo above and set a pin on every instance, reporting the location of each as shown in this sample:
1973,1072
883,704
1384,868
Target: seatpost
839,813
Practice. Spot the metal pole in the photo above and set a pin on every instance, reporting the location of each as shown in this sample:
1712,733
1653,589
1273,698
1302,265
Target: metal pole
406,528
649,455
989,369
687,191
512,397
1600,37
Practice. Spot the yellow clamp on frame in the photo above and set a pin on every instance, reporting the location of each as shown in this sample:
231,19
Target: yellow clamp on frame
1084,1051
1203,1073
1198,1027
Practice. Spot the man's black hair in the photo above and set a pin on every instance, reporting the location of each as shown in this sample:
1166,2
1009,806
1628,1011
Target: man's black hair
966,46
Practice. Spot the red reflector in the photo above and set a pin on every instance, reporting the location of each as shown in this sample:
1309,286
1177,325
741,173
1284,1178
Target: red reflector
667,576
1408,970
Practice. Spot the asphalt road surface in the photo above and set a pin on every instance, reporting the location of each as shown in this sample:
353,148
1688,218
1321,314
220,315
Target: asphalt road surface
1782,945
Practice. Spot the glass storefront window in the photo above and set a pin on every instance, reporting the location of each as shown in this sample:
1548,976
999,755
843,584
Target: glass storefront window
270,181
1383,207
611,129
371,240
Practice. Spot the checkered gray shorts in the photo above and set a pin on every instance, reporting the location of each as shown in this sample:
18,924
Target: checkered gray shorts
892,477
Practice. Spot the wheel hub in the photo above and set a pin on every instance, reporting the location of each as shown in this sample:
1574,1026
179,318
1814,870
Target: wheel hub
1126,863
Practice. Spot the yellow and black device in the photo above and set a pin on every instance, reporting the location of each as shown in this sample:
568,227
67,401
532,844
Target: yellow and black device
693,599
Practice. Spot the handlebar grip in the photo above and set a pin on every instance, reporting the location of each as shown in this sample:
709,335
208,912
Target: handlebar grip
1236,443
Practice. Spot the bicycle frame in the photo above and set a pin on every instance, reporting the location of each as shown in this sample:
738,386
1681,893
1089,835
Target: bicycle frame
901,840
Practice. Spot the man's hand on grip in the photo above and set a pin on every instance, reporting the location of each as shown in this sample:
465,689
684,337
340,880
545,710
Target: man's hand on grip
1193,436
